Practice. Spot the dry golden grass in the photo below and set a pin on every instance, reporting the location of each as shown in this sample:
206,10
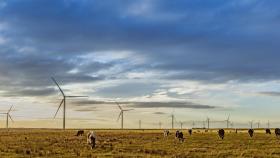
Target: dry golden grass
135,143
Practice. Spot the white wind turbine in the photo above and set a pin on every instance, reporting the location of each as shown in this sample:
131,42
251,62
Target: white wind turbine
8,116
121,113
228,121
63,101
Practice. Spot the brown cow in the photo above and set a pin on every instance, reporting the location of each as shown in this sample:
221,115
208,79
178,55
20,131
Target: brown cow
80,133
190,132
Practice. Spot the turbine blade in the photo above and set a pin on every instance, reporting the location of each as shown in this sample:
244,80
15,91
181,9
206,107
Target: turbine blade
58,107
77,96
10,117
228,117
10,109
58,86
119,116
119,106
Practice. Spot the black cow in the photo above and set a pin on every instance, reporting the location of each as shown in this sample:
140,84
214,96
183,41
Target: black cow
190,132
80,133
277,132
179,135
251,132
267,131
221,133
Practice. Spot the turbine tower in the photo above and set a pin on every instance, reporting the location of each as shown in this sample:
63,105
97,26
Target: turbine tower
140,124
172,121
8,116
208,122
181,124
121,114
63,101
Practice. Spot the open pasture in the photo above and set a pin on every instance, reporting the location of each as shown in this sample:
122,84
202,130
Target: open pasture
135,143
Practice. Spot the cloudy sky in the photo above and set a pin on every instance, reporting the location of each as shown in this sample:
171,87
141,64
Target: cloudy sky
193,58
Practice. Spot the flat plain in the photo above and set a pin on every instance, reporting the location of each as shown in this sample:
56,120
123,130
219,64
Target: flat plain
136,143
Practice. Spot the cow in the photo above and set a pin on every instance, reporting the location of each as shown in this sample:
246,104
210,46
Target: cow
80,133
190,132
251,132
176,134
91,139
277,132
267,131
179,135
221,133
166,133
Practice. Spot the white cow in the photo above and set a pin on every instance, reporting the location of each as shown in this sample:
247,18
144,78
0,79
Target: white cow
165,133
91,139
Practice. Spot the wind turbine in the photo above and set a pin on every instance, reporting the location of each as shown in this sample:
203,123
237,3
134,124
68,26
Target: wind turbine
208,122
193,124
8,116
63,101
268,124
227,120
258,123
121,113
172,119
251,124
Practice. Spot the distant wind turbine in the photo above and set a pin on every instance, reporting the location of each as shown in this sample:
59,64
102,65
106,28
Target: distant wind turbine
251,124
121,113
208,122
228,121
8,116
63,101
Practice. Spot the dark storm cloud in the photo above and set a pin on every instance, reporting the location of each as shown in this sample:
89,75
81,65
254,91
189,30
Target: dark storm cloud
191,105
273,94
209,41
171,105
159,113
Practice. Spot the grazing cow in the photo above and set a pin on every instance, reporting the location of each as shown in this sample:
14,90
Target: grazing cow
80,133
166,133
176,134
277,132
251,132
190,131
179,135
221,133
267,131
91,138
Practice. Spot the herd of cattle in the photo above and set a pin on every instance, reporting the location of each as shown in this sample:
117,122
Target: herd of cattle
91,136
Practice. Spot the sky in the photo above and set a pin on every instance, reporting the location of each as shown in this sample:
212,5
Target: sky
193,58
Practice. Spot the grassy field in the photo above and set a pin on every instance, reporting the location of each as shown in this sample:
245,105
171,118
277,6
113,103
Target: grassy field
135,143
